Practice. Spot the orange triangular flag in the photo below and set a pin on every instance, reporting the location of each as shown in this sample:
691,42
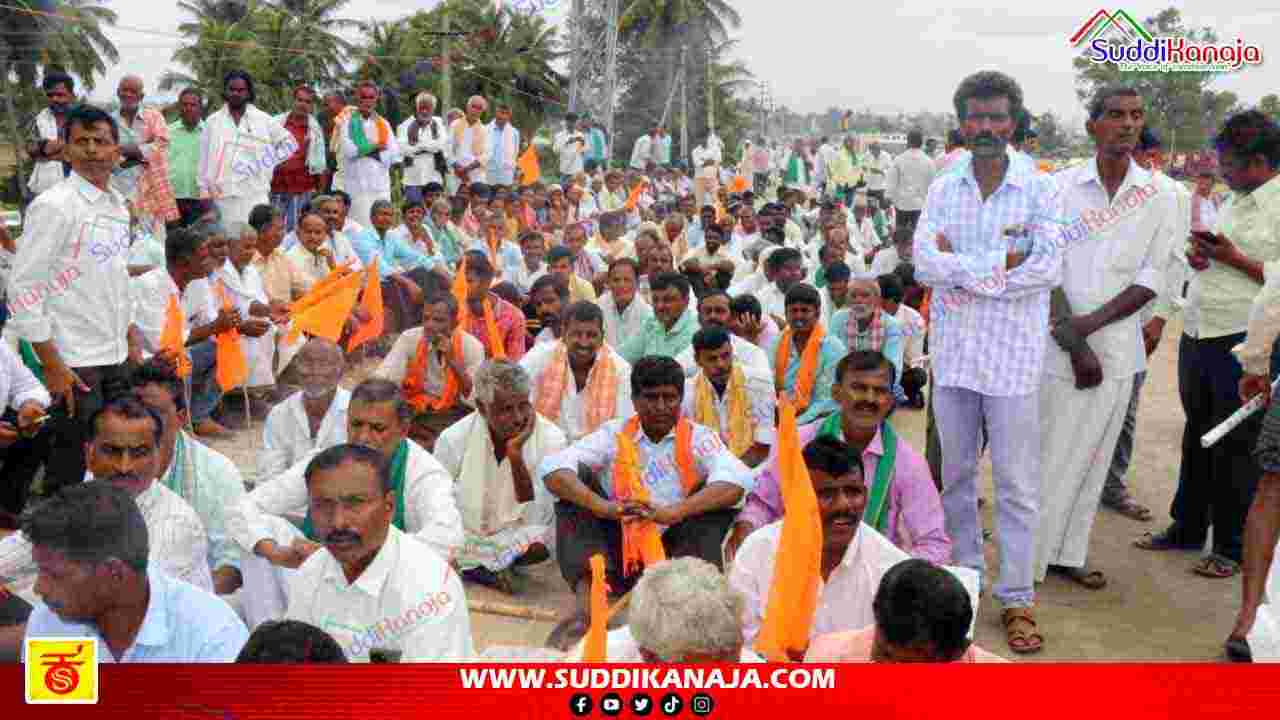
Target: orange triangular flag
595,644
530,171
230,367
797,565
322,289
634,198
326,318
171,340
371,301
460,289
739,184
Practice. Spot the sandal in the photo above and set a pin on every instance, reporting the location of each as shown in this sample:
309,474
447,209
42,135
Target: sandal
1237,650
1162,541
1216,566
1091,579
1021,640
1130,508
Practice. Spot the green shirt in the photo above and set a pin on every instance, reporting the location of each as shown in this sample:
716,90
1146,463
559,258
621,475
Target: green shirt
654,339
184,159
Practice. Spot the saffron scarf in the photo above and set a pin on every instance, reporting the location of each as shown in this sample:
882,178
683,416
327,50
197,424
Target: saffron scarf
741,435
876,514
355,127
602,388
807,376
399,463
414,385
493,338
872,339
641,540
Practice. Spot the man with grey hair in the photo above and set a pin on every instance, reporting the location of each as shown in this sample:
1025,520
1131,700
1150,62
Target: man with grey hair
91,546
491,454
143,175
311,419
378,417
426,148
244,288
864,325
682,611
469,143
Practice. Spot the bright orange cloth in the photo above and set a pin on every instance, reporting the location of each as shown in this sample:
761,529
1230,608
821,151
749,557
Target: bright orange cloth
371,301
230,367
171,340
530,171
797,565
634,198
460,291
594,646
808,374
641,541
325,314
738,185
414,385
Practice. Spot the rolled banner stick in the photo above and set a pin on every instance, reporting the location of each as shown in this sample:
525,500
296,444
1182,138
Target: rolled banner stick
513,611
1244,413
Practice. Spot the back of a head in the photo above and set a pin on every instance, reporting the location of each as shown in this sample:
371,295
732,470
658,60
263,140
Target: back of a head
290,641
90,522
685,608
922,606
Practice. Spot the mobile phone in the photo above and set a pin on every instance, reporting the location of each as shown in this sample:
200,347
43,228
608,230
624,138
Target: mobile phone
1204,236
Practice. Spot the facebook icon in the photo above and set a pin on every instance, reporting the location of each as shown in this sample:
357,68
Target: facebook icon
580,705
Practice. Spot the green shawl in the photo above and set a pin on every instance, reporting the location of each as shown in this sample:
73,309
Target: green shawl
876,513
398,463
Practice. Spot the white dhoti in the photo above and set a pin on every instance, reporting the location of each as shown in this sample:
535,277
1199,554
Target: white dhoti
264,595
1264,638
237,209
1078,434
260,353
362,205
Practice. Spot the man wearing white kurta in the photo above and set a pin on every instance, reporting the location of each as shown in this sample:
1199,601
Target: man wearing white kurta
642,151
248,294
508,517
468,144
1107,277
504,148
240,148
309,420
421,137
713,311
621,325
369,148
261,523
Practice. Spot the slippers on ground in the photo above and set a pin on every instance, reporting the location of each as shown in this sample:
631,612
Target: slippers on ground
1091,579
1161,541
1022,638
1130,508
1237,650
1216,566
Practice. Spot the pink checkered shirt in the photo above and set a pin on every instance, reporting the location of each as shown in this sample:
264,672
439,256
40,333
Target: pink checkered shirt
988,327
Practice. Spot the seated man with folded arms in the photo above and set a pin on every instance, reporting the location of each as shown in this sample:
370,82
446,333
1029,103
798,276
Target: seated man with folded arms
435,366
684,484
377,589
290,641
311,419
908,511
923,614
736,400
579,382
491,454
681,611
378,418
96,578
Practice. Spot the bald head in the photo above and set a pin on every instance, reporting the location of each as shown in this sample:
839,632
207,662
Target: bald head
476,107
320,365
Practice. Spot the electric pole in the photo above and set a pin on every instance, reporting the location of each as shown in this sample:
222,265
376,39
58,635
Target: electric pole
446,91
610,80
684,108
576,63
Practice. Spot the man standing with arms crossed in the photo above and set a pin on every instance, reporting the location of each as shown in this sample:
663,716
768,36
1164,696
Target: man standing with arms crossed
989,344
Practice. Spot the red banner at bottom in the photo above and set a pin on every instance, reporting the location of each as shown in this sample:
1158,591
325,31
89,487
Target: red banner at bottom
475,692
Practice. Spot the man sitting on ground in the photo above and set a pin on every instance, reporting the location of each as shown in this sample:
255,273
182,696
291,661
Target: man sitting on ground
491,455
560,264
490,319
713,311
805,355
548,299
354,503
736,400
311,419
865,326
670,330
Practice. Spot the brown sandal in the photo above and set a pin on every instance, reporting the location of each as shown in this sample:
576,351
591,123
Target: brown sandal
1020,639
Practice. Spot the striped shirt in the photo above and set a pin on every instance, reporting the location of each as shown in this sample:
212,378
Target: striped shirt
988,327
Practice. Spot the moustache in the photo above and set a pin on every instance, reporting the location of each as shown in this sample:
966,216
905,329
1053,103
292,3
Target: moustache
130,478
315,392
867,408
342,536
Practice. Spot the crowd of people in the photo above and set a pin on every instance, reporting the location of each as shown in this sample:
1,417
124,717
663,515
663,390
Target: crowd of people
600,369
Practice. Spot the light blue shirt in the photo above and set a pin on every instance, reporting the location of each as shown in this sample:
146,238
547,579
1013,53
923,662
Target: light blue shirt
596,146
829,355
510,258
183,624
894,337
393,253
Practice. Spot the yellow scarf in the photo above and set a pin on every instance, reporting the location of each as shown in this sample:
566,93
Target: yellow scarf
741,430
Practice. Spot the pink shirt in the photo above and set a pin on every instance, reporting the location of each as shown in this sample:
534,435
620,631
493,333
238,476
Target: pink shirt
915,518
854,646
511,327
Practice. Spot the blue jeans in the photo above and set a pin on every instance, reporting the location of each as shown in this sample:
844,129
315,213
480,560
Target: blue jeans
205,392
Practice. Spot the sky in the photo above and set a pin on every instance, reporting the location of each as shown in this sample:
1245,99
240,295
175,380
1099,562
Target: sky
907,55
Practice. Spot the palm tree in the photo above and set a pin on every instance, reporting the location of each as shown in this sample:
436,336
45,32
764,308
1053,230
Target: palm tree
653,21
299,43
73,41
216,40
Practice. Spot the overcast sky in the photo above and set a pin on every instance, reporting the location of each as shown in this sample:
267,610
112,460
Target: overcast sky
907,55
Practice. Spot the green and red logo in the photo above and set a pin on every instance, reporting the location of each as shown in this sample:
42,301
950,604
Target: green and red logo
1116,37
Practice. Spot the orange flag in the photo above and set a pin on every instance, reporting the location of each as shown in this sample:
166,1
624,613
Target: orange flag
171,340
634,198
371,301
594,645
738,185
230,367
322,289
460,288
324,317
530,171
797,565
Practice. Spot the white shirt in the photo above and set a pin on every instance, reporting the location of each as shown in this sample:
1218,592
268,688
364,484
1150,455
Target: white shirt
844,599
176,543
45,173
619,326
759,391
18,384
744,353
573,406
408,599
642,152
571,154
237,161
286,434
151,292
462,154
70,278
914,333
431,140
367,174
772,300
884,161
200,303
315,268
396,364
885,261
909,178
1128,243
430,513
